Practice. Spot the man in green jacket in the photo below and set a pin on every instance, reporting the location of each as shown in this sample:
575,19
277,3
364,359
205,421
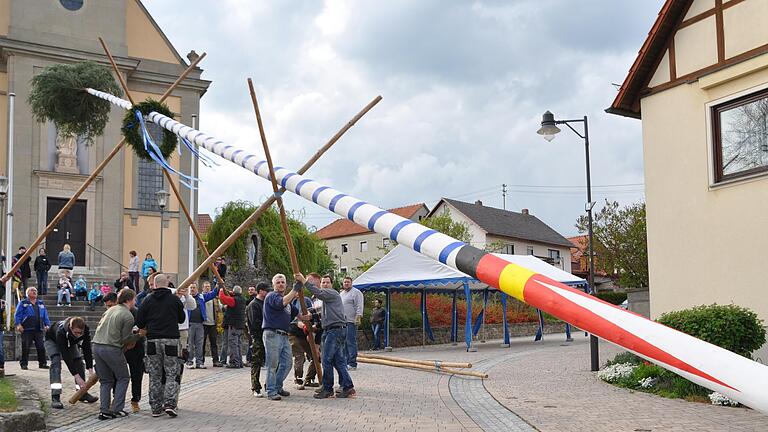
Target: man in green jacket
114,332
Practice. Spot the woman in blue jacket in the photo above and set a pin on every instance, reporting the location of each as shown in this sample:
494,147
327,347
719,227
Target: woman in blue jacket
146,265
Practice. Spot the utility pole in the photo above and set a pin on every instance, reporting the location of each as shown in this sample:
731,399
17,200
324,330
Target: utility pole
504,196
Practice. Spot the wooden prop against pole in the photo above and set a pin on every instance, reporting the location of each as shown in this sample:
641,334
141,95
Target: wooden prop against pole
271,200
286,233
84,389
421,362
422,367
171,182
63,212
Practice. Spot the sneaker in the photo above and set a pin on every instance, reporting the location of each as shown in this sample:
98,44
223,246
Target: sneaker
299,386
311,383
323,394
190,366
232,366
200,367
283,393
171,412
274,398
134,407
121,413
217,364
345,394
24,367
351,368
44,366
69,305
88,398
106,416
258,394
157,413
58,304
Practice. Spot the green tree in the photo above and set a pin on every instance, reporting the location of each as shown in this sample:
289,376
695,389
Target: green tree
621,241
442,222
310,250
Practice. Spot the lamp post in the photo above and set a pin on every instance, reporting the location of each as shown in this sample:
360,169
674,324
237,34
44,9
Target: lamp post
162,201
548,131
3,193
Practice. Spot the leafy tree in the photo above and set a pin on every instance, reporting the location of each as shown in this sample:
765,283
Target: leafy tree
310,250
449,227
621,241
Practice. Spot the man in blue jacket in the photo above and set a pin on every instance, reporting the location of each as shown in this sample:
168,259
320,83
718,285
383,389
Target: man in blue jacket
196,330
31,320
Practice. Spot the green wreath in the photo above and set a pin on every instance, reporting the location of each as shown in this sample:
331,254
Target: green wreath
58,95
132,129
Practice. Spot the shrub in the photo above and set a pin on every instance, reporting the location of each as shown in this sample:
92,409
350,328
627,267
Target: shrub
617,372
611,297
625,357
731,327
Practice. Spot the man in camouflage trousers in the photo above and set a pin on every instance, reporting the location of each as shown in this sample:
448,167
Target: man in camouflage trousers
254,315
159,317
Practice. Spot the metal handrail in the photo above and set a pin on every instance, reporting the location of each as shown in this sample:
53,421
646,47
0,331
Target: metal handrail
90,261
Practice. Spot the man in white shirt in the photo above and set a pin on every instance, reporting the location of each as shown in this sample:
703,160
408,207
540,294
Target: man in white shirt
352,299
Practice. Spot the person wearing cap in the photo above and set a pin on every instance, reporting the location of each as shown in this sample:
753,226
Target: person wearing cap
254,315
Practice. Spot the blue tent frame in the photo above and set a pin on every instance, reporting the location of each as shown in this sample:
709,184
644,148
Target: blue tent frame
441,286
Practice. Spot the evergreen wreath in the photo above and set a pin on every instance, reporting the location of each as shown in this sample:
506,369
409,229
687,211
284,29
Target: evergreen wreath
58,94
132,129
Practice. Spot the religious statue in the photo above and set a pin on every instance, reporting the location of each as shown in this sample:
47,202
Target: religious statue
66,155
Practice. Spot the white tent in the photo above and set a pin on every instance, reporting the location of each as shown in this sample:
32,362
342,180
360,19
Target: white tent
403,270
402,267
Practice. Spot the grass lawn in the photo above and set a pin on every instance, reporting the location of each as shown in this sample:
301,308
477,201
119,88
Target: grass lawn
7,396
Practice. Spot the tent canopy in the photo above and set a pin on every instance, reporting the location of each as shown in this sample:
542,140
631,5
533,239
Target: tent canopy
406,270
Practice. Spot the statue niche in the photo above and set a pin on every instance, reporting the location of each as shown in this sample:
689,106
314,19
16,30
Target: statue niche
253,271
66,155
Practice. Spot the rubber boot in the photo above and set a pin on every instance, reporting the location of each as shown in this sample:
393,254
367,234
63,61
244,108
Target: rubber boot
56,402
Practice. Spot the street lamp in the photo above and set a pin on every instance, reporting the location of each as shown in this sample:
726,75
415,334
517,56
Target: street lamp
548,131
162,201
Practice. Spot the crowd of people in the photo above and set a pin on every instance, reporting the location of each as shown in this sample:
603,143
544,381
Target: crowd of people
162,331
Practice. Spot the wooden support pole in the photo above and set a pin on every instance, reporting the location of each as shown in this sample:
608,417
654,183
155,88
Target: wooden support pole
64,210
422,367
286,233
92,379
422,362
241,230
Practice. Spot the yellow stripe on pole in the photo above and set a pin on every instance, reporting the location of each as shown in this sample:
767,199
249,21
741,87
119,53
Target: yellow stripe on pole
512,280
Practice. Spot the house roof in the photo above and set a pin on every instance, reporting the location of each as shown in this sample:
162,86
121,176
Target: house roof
627,102
344,227
203,222
579,246
507,223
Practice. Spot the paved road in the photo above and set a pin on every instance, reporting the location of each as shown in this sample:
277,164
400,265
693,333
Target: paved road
543,386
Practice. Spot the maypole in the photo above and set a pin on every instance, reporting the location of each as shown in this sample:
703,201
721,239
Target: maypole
705,364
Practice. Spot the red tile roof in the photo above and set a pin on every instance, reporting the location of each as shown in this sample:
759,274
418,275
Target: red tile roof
203,222
344,227
579,248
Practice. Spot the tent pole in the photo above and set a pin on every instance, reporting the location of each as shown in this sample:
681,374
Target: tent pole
505,343
468,323
454,329
485,312
387,346
423,317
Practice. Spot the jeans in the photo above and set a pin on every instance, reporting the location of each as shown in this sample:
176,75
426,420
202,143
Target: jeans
112,369
134,276
224,345
54,373
27,338
350,349
63,294
376,329
211,335
278,360
334,342
195,343
42,282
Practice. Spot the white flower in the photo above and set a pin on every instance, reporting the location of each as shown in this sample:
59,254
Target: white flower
721,399
616,372
648,382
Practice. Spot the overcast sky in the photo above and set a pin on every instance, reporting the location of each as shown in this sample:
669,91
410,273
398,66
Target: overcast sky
464,86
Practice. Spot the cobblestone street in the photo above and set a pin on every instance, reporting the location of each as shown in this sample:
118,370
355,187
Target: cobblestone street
543,386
